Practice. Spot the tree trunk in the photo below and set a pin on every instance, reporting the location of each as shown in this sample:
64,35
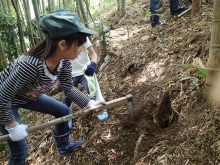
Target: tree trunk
3,5
20,32
64,4
88,10
37,17
59,4
214,50
14,43
196,5
8,5
119,5
29,26
77,9
52,5
21,11
43,6
123,9
49,6
83,14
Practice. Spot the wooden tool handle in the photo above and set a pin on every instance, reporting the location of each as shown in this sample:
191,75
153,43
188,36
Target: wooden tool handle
109,104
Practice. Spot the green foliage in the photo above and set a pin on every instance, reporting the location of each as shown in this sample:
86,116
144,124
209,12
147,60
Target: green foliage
201,72
99,7
2,146
24,114
147,12
198,74
103,32
204,6
187,66
8,27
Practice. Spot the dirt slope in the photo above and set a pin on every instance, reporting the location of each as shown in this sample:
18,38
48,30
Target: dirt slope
145,63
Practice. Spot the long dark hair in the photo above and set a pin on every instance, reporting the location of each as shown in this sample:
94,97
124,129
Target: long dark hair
47,47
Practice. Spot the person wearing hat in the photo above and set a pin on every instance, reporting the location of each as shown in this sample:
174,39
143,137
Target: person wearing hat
25,81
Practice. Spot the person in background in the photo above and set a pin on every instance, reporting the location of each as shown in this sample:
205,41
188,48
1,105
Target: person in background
25,81
83,72
175,9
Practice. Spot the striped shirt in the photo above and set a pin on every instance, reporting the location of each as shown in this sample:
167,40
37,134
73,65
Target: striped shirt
27,78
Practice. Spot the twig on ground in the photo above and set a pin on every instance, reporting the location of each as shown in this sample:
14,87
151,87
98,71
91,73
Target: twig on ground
122,19
137,146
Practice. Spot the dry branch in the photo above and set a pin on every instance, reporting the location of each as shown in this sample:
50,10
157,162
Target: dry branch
137,146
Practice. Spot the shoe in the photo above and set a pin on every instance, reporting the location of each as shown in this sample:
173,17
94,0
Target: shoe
159,24
64,145
103,116
155,21
178,10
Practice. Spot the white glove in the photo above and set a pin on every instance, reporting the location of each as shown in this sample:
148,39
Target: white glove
18,132
103,116
93,103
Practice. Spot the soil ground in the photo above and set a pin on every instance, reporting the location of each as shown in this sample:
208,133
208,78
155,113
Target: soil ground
145,62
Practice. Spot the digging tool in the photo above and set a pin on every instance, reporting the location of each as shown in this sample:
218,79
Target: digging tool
185,11
110,104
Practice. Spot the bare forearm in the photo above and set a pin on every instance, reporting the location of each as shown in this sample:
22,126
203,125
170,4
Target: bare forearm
11,124
92,54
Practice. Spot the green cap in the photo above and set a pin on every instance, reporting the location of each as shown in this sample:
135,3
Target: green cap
61,24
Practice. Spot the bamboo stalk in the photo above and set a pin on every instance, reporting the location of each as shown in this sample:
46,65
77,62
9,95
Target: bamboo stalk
107,105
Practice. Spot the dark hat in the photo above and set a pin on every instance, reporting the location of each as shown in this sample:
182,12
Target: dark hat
61,24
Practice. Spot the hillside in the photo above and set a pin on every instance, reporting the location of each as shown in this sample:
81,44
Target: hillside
145,62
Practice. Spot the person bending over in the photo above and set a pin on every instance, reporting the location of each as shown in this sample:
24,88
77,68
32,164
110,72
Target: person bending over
25,81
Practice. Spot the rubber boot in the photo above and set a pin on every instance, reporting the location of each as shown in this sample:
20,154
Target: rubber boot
155,21
178,10
175,8
64,145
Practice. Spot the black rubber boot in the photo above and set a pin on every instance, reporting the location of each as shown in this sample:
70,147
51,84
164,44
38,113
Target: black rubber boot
178,10
155,21
63,144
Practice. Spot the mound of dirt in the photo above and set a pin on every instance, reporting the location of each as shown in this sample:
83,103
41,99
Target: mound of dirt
145,63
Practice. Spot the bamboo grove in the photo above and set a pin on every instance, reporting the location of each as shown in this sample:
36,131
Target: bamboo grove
19,19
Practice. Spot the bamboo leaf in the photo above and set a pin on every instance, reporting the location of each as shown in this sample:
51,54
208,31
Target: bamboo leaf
200,74
187,66
203,71
186,78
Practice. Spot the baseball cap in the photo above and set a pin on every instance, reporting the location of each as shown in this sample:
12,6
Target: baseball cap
61,24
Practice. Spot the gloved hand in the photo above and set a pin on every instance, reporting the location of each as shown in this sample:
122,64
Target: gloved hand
90,70
18,132
93,103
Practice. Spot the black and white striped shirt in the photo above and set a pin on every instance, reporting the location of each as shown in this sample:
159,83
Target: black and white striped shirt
27,78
